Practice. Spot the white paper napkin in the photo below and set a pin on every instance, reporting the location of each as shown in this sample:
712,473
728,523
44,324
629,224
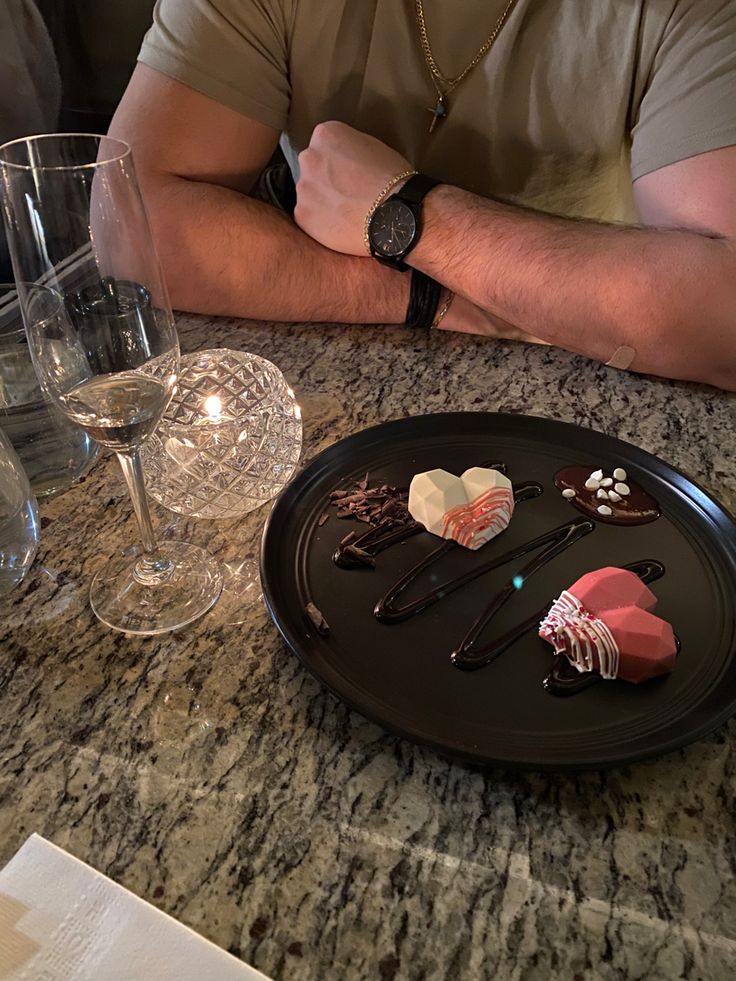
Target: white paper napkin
60,920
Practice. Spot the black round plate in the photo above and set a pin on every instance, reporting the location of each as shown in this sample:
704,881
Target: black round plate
401,676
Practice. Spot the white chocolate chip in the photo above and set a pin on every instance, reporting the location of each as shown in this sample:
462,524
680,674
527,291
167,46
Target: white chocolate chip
569,493
592,483
605,510
619,474
622,489
602,494
613,496
606,482
597,475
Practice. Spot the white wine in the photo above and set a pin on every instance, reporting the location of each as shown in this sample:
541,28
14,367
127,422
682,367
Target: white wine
118,410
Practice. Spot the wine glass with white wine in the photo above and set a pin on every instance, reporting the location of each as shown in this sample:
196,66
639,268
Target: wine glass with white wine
104,345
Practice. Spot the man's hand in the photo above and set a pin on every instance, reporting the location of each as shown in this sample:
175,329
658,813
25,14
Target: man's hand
342,172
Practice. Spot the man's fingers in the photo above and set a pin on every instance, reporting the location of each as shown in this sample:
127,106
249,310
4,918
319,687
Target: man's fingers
306,159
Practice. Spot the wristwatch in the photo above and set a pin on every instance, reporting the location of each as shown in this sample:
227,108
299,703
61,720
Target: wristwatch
396,225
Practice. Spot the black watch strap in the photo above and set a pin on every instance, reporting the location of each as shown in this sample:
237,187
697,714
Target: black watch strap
416,189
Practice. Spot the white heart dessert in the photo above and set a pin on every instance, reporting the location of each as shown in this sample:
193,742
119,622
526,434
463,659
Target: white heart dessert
470,509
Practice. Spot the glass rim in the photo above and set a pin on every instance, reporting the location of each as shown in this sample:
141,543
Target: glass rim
125,151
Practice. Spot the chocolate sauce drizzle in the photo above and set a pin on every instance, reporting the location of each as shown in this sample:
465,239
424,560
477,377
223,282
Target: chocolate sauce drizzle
347,554
564,679
648,570
468,656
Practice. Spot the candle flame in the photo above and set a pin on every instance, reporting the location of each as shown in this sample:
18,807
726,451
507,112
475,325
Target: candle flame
213,407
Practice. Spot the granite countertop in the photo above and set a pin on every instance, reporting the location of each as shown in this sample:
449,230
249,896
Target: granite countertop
211,774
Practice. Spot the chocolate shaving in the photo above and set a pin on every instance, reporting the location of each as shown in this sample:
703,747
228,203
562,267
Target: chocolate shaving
360,555
382,507
353,499
392,509
375,506
318,621
322,518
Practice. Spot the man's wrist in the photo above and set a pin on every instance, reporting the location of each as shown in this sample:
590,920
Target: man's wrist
384,293
435,205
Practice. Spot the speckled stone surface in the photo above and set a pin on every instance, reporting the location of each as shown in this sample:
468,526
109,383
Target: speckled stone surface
210,774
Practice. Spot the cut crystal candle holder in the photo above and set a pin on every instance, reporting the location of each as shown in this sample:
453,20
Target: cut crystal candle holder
230,439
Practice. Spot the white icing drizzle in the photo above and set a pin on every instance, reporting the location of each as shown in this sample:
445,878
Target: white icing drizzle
584,639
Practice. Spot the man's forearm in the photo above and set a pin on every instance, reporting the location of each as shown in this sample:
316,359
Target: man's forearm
668,295
225,253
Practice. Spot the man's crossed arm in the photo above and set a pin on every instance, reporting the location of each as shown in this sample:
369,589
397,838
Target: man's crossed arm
668,293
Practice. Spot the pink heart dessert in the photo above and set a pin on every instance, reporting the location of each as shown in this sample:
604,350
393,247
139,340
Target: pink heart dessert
604,623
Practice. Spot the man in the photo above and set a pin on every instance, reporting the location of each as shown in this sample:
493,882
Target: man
553,123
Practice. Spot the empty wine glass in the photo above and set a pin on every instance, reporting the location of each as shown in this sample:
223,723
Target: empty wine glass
104,345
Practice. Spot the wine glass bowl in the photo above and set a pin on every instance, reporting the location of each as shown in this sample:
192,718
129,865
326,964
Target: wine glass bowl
112,380
103,342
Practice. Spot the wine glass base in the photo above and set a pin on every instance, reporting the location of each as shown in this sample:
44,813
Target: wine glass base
190,587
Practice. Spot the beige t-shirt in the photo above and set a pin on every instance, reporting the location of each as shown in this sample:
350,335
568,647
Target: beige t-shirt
576,98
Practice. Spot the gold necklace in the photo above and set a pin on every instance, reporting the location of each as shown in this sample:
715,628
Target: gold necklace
442,84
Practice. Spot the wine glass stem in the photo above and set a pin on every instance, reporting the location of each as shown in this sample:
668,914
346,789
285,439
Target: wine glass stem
151,569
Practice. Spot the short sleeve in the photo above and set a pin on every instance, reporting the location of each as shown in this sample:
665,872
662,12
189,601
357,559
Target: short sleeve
689,99
233,51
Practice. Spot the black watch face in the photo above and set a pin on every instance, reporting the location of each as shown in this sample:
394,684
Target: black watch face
392,228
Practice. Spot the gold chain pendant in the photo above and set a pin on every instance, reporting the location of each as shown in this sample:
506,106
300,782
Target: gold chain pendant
438,113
